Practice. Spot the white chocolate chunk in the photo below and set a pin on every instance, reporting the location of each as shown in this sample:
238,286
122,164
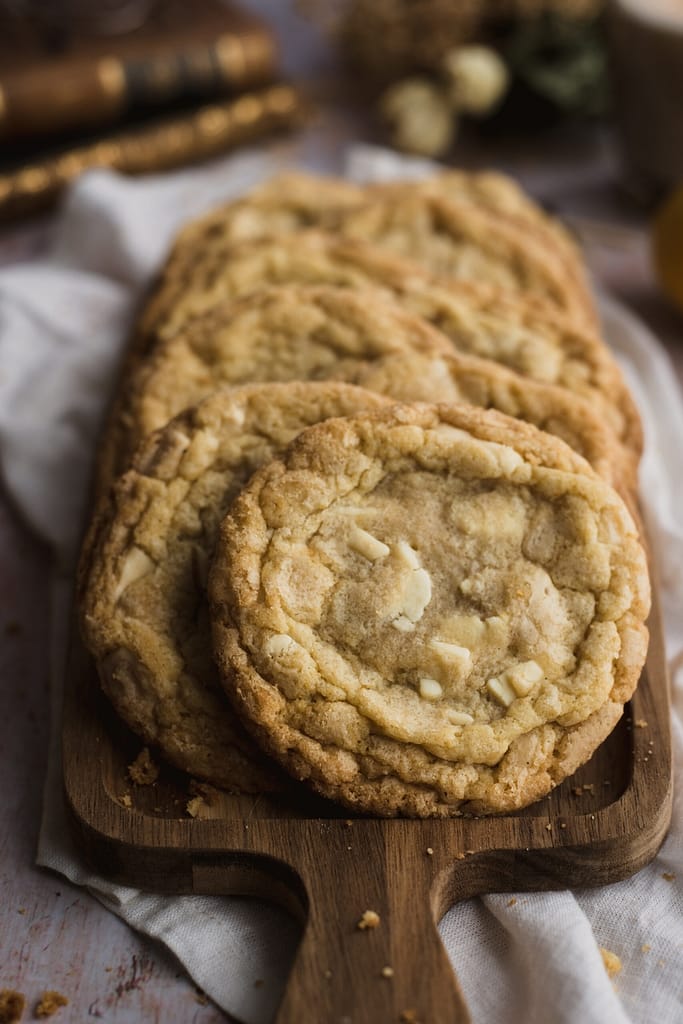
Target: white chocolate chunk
459,718
403,625
510,460
501,690
367,545
523,677
279,644
408,555
452,654
137,564
430,689
417,595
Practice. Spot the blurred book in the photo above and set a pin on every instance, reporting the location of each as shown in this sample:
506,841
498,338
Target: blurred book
60,79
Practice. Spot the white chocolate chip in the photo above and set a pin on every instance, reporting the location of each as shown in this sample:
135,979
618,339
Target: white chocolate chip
452,654
408,555
523,677
417,595
403,625
430,689
501,691
279,644
459,718
137,564
367,545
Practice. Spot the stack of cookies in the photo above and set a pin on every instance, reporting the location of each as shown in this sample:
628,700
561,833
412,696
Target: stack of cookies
365,504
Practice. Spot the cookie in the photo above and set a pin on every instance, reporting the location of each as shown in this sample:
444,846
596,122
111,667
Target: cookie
480,320
466,242
143,607
430,610
424,377
284,204
287,333
502,196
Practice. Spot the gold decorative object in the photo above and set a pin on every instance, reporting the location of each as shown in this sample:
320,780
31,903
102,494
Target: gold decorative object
389,39
205,133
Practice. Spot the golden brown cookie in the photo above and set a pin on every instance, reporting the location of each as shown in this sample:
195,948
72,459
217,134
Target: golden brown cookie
286,333
425,377
429,610
479,319
143,607
502,196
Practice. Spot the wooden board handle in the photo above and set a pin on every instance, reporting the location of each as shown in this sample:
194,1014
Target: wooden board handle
396,971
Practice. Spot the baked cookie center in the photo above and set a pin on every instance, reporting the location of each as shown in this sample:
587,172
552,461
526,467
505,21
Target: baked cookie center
443,609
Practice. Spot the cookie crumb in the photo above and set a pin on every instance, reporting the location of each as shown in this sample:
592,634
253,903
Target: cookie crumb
126,800
511,902
549,827
645,948
668,876
641,723
209,794
195,806
201,997
370,919
430,851
563,824
50,1003
11,1006
327,974
611,961
143,771
21,910
387,972
409,1017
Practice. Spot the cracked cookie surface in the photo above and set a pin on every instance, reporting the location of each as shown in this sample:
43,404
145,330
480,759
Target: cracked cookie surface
431,377
143,608
429,610
483,320
274,334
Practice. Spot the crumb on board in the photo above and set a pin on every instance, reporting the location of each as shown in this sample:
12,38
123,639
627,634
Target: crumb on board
549,827
209,794
125,800
327,974
641,723
50,1003
196,806
645,948
387,972
143,771
11,1006
587,788
668,876
511,902
201,997
611,961
409,1017
369,919
430,851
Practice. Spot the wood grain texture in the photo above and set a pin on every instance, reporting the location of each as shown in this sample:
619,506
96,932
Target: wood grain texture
600,826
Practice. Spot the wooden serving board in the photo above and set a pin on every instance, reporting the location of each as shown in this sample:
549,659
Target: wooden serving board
600,826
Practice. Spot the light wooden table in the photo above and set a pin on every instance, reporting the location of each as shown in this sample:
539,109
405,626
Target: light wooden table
55,936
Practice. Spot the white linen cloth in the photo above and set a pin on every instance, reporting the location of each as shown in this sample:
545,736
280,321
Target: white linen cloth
63,320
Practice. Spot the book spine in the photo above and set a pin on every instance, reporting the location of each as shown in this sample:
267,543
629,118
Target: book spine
59,97
205,133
